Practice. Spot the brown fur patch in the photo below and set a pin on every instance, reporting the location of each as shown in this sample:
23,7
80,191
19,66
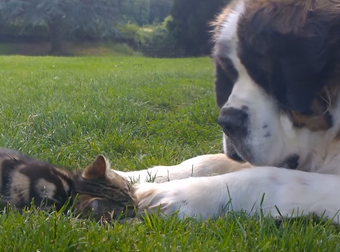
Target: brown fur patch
319,117
294,17
290,16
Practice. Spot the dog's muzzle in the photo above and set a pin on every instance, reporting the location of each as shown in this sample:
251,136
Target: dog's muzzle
233,121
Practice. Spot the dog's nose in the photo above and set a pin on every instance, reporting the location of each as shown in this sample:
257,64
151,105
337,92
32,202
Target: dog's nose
233,121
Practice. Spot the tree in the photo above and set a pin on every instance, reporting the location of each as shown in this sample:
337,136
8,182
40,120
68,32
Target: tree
159,10
63,17
190,24
144,12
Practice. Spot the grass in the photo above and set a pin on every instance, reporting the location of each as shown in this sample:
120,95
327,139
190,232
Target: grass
138,112
69,49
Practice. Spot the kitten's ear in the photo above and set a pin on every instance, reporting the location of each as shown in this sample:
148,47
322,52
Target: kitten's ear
97,170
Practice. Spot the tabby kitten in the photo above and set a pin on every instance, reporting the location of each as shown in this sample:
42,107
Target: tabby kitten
24,180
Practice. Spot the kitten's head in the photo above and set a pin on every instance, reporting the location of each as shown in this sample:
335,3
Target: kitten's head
103,192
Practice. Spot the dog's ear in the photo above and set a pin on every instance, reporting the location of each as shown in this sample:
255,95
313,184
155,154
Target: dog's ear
225,77
299,37
301,68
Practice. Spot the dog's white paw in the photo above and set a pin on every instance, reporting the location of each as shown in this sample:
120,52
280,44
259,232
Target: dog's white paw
192,197
267,190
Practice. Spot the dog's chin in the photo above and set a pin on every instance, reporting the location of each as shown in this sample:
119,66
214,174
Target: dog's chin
235,156
290,162
232,152
241,155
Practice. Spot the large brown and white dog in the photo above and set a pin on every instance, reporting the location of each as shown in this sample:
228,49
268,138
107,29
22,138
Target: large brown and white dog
278,86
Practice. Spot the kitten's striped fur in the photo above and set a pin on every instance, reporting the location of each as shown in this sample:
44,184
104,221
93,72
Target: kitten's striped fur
24,180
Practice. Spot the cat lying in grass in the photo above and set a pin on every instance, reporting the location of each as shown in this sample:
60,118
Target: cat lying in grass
97,189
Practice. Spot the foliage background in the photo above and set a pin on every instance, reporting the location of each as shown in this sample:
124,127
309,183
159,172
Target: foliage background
156,28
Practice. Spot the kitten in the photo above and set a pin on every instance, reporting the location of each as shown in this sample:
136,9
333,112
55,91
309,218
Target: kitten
97,189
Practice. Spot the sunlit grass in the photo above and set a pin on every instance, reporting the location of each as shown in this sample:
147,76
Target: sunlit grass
138,112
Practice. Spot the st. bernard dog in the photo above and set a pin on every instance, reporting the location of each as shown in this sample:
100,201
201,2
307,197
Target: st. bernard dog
277,68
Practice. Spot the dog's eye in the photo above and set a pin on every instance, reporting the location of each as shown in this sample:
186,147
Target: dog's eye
259,76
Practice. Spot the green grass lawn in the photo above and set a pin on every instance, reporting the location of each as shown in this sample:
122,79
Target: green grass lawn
138,112
68,49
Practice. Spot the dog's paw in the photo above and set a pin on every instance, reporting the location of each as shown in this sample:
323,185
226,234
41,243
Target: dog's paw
193,197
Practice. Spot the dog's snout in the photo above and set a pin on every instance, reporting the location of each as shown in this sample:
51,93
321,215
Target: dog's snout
233,120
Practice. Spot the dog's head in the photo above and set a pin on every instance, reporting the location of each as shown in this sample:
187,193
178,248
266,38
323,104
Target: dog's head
277,65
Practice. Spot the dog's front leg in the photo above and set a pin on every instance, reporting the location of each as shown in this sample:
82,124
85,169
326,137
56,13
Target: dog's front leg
293,193
200,166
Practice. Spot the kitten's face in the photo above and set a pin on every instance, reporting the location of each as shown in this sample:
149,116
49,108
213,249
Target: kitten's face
104,193
102,208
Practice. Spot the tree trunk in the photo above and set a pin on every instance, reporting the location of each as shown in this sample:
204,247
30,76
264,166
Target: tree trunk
56,35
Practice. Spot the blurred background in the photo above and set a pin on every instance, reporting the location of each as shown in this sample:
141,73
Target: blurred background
153,28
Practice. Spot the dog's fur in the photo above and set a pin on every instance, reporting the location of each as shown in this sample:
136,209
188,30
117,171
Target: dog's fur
277,68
